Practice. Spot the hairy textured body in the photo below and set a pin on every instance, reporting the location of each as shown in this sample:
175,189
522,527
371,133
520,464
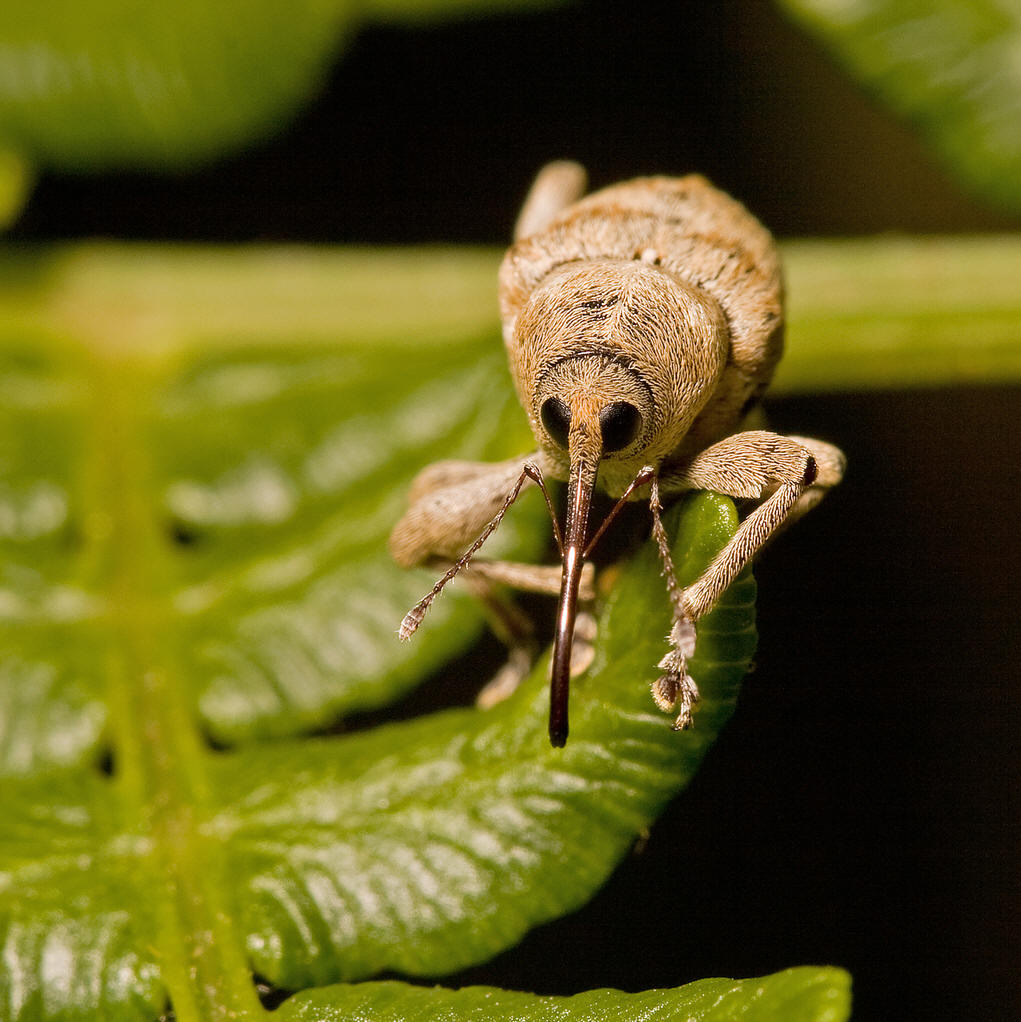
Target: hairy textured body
642,323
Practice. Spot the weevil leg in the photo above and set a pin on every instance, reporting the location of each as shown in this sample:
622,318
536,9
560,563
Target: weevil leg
830,465
675,689
791,473
455,507
505,682
755,464
522,648
543,579
451,503
784,470
512,627
444,518
556,187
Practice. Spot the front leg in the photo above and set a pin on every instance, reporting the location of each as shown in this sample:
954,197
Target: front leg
451,503
791,473
454,504
455,507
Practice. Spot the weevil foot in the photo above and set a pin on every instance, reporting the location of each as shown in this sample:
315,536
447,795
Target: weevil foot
675,690
678,692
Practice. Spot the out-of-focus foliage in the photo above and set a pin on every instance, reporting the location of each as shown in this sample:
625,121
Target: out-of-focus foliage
876,313
950,67
15,181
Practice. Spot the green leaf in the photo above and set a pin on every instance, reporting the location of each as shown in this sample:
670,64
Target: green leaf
797,995
112,83
950,67
295,470
428,846
195,492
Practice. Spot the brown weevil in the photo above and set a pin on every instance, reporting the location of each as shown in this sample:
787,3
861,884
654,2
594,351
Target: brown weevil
642,324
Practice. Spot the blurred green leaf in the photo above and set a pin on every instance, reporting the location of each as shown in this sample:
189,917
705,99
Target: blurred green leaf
195,492
278,476
114,83
950,67
797,995
410,11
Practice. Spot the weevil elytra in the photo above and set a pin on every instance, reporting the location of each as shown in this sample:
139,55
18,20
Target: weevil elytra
642,324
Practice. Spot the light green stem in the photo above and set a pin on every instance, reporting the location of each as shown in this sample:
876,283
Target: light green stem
864,314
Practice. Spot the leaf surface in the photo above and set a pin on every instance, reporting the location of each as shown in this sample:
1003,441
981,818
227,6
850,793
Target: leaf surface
796,995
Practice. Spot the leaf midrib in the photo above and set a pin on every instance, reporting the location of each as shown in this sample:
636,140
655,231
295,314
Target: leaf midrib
160,784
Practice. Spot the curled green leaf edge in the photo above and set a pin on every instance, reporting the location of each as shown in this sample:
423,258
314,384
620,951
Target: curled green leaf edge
801,994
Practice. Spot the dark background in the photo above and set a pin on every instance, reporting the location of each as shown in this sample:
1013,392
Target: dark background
861,808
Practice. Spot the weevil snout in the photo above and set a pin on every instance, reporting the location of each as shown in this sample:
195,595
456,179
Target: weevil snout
591,408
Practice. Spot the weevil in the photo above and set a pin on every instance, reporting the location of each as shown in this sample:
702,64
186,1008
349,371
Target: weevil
642,323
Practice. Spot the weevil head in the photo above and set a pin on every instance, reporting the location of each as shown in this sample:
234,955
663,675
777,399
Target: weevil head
613,360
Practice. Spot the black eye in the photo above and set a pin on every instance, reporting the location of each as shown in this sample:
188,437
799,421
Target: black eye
619,424
556,418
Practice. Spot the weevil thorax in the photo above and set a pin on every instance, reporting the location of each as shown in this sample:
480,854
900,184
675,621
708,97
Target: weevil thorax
613,360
